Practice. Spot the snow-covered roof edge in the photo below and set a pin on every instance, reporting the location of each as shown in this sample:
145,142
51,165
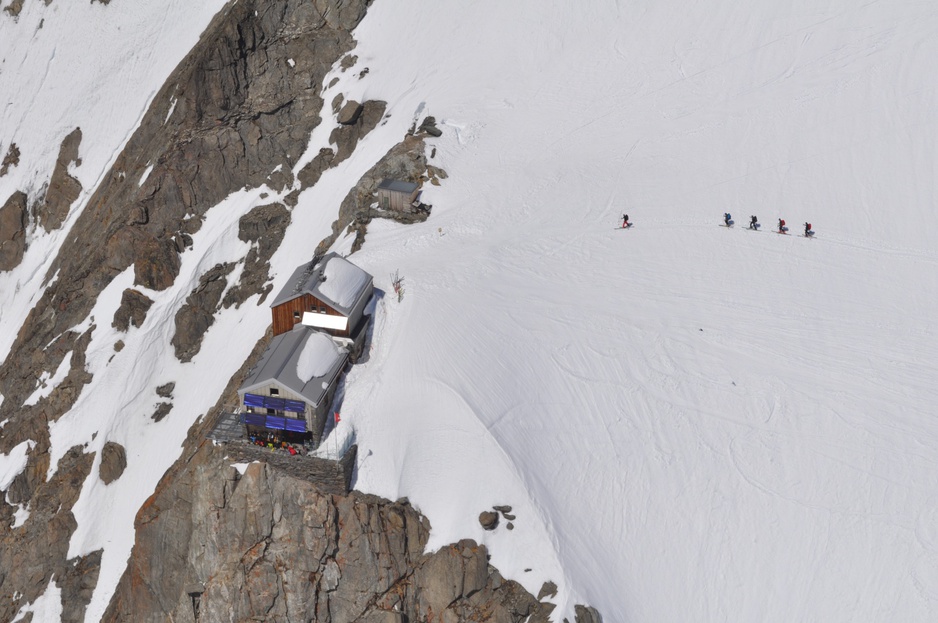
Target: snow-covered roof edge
306,279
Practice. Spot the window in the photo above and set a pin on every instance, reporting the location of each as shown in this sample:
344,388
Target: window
271,412
274,391
296,315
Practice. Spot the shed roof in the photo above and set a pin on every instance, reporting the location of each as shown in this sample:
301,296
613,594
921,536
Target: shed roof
333,280
304,361
397,186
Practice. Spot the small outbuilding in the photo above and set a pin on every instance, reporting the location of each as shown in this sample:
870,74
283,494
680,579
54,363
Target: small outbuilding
398,195
331,295
290,390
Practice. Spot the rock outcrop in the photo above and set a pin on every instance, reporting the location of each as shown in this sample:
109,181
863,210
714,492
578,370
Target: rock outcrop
263,227
63,189
349,113
13,219
132,311
213,545
11,159
198,313
24,572
113,462
405,161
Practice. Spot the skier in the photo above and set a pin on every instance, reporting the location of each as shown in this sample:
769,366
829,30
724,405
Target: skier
807,230
782,229
625,221
727,219
754,223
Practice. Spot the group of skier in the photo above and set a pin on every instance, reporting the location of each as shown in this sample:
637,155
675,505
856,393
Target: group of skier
755,225
729,222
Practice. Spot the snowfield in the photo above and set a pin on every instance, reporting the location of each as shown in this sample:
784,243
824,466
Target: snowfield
692,423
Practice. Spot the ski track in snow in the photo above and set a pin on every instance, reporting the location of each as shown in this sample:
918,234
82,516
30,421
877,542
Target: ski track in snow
691,423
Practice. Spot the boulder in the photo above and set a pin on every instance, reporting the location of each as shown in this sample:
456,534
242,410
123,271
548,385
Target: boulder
346,136
113,462
429,126
166,390
488,519
13,219
156,262
161,411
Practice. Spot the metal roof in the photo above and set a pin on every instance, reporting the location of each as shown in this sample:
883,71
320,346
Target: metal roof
307,278
279,364
397,186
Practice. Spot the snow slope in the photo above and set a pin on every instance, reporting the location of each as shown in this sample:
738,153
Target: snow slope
691,423
711,424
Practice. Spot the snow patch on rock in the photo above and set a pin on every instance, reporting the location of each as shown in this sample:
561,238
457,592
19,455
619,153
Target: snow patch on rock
46,609
13,463
48,382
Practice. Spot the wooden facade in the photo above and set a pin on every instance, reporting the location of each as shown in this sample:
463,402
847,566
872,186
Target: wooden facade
389,199
290,313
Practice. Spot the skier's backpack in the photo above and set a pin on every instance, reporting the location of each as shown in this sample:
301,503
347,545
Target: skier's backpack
809,226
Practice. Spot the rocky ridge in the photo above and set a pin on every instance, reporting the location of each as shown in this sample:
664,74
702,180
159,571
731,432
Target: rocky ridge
239,112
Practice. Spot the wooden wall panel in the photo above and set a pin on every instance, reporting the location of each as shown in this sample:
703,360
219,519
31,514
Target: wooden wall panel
284,315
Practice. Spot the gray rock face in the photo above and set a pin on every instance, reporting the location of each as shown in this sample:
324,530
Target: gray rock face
132,311
13,219
264,227
12,157
405,161
166,390
585,614
198,313
113,462
161,411
14,8
268,546
346,137
63,189
27,571
548,589
429,126
349,113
